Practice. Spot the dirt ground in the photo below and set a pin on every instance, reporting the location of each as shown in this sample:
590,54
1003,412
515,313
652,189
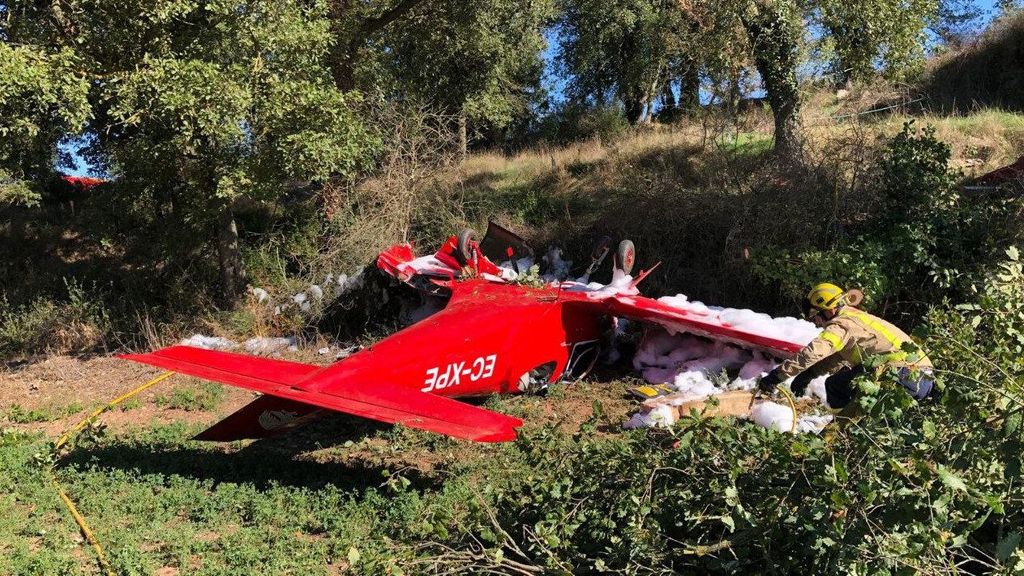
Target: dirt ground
67,389
71,388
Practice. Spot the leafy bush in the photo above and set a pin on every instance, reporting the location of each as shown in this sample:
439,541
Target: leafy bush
906,489
922,242
574,123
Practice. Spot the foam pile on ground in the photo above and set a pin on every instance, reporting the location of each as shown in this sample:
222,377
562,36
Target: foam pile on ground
772,416
209,342
265,346
782,328
659,417
345,282
693,367
260,294
813,423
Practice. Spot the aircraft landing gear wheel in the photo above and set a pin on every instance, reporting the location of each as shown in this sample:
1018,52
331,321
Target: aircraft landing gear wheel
625,256
467,243
854,297
536,381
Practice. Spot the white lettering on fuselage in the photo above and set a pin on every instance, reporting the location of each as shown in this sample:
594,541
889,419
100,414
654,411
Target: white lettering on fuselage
454,373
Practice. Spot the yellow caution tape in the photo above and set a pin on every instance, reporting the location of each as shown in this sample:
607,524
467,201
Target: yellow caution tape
67,436
86,531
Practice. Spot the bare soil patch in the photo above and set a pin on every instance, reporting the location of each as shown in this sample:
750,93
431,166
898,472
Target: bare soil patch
57,382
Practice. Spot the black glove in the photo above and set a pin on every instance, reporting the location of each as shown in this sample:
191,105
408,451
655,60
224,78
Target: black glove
799,384
769,382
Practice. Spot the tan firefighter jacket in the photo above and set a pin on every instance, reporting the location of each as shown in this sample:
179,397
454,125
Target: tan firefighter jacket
851,334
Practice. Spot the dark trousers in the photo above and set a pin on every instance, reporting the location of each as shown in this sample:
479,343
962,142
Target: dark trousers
839,386
839,390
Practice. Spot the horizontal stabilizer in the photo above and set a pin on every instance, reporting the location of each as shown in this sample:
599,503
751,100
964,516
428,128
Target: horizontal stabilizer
226,367
376,401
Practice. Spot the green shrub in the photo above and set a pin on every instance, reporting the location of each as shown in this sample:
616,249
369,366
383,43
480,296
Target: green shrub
923,241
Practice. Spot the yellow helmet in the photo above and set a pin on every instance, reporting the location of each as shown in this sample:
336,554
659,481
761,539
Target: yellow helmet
823,296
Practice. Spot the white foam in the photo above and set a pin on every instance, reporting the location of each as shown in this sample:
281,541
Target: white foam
659,417
270,345
772,416
260,294
783,328
555,267
209,342
689,364
813,423
693,385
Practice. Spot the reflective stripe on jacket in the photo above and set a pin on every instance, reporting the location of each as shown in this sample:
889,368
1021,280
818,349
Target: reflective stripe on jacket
851,334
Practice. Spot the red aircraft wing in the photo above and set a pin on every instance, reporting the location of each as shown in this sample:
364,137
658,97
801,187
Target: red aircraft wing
289,380
678,320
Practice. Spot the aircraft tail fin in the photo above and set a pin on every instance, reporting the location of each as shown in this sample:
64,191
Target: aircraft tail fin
264,417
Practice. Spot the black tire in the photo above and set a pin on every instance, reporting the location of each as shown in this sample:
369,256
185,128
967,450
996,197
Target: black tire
465,246
625,256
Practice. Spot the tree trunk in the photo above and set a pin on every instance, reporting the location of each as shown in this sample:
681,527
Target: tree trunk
774,38
342,57
735,93
463,137
668,100
689,89
232,270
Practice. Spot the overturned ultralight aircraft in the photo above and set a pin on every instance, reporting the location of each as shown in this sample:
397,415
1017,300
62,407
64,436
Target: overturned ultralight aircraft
494,336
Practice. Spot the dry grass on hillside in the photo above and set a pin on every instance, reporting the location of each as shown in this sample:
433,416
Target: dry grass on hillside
988,72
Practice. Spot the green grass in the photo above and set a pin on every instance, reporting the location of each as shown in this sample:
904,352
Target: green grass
205,397
17,414
129,404
746,143
157,499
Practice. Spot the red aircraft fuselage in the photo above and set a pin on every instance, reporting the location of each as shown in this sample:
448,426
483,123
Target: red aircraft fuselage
487,337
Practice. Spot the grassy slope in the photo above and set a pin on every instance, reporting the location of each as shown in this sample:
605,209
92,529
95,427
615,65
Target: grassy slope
699,202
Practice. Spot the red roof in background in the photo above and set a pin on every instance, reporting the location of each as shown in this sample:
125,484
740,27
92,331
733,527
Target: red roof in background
1005,175
83,182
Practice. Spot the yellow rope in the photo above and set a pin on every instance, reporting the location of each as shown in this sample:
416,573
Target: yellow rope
86,531
792,404
78,427
67,436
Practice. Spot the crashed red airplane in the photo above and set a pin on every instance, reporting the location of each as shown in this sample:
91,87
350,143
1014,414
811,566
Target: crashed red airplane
494,336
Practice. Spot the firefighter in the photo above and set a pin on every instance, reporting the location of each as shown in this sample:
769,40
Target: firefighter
847,335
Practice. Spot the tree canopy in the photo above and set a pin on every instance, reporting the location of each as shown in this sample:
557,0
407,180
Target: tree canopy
202,104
